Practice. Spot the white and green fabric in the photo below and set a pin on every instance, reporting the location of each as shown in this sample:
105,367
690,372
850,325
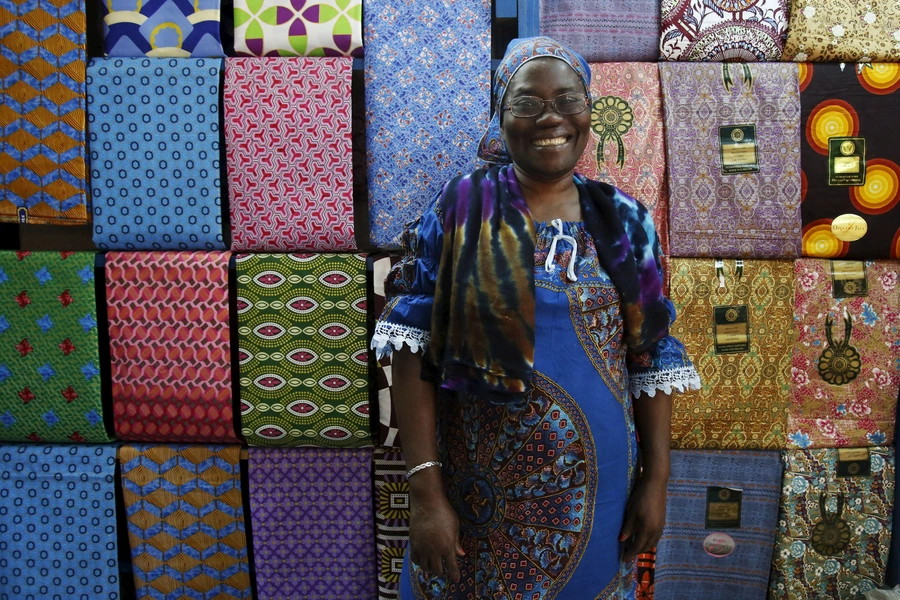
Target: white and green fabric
298,27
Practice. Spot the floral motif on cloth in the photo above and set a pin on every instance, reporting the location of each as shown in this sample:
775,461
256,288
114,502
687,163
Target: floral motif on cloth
162,28
723,30
607,30
42,95
302,344
843,31
627,146
834,531
844,371
49,354
287,132
722,208
744,365
391,519
298,27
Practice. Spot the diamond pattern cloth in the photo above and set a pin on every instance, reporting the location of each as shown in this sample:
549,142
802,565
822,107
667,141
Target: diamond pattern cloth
170,346
391,519
388,429
42,56
185,521
606,31
427,100
287,131
58,526
743,401
155,153
761,208
686,568
162,28
298,28
840,552
312,515
857,102
303,353
843,31
49,355
627,146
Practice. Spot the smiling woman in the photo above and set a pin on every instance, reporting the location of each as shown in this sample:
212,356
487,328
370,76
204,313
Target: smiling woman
530,299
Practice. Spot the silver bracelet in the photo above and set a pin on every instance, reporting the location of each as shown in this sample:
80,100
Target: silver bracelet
424,465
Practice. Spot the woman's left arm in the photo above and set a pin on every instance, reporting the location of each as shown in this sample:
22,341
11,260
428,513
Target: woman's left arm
645,515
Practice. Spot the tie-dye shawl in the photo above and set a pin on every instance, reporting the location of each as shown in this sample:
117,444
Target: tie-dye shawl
482,324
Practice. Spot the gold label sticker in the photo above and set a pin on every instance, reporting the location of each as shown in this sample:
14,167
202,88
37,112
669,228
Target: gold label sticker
846,161
849,278
849,227
854,462
723,507
731,329
737,147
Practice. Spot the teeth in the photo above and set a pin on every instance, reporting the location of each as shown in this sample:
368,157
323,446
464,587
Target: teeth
559,141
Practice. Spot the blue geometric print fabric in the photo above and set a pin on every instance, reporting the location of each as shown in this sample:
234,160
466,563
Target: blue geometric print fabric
427,101
154,140
162,28
58,523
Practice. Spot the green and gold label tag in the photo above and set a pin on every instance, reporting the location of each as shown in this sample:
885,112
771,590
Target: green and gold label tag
854,462
723,508
846,161
732,329
849,278
737,145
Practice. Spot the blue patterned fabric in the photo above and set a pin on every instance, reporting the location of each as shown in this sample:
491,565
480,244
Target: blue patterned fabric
58,523
427,101
162,28
154,133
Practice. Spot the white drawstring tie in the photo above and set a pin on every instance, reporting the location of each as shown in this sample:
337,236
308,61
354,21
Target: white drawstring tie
551,254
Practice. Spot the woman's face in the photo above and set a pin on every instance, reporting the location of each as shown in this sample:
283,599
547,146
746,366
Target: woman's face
548,146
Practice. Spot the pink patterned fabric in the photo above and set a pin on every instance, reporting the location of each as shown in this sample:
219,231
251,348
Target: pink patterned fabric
845,393
626,116
287,131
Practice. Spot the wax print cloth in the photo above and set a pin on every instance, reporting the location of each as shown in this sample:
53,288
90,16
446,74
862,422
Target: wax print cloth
645,570
49,355
154,132
162,28
170,346
844,371
42,99
388,428
841,551
287,132
298,28
723,30
734,214
58,526
185,521
687,566
391,519
746,390
857,102
627,146
304,364
843,31
311,510
420,135
607,31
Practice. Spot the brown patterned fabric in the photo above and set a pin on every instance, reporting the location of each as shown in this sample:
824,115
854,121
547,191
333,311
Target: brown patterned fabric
843,31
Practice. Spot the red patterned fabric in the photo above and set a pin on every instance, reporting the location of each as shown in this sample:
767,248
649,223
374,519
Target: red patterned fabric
169,346
287,131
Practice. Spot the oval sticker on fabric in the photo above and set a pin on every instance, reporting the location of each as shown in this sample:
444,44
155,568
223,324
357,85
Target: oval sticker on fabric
849,227
718,545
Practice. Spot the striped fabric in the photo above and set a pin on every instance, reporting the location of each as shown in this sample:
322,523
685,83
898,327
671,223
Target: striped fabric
391,519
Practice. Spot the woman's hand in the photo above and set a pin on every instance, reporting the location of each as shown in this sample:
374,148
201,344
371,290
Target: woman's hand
434,533
645,517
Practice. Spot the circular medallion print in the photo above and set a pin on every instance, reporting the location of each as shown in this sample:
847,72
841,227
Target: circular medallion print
881,191
820,242
831,118
880,78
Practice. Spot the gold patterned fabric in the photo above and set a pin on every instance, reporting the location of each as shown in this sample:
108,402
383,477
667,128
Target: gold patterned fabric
736,323
843,31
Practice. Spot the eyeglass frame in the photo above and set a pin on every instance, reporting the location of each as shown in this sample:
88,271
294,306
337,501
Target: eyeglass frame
587,103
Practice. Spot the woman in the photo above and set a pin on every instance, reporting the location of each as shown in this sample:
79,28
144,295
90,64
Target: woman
530,302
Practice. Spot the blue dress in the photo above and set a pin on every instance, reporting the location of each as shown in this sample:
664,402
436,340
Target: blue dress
540,486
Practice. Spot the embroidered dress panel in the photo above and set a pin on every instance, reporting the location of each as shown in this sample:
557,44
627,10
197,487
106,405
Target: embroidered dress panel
162,28
605,31
843,31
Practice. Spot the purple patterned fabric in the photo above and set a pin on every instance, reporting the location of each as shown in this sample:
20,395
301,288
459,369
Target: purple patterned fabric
604,31
312,515
736,214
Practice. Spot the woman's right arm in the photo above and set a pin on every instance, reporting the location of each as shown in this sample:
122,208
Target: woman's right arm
433,525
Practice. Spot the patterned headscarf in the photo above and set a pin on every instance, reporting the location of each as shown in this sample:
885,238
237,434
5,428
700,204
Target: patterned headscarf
519,52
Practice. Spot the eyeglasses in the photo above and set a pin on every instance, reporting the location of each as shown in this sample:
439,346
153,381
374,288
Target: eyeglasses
532,106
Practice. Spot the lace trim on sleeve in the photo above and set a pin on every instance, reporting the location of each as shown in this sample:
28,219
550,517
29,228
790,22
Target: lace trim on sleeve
389,334
681,379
